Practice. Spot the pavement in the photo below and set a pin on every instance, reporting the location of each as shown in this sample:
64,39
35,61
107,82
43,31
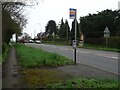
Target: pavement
81,70
0,76
10,75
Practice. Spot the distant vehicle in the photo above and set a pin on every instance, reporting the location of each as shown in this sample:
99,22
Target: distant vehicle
38,41
31,41
26,41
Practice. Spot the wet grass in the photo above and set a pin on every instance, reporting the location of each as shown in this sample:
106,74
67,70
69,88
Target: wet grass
32,57
39,78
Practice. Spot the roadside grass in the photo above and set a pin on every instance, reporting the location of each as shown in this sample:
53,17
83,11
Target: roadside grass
87,83
60,43
32,57
98,47
87,46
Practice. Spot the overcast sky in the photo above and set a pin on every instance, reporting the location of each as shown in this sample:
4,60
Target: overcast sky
58,9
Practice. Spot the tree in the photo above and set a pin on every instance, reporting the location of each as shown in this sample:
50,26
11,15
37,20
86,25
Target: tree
67,29
61,31
73,30
93,25
13,20
117,22
9,27
15,9
51,27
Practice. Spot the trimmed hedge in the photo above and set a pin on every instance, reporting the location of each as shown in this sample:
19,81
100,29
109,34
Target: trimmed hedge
113,42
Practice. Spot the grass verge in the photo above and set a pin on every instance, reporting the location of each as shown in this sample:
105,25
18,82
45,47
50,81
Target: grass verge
88,46
32,57
59,43
86,83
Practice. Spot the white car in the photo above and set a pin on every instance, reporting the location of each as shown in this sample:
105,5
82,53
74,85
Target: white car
31,41
38,41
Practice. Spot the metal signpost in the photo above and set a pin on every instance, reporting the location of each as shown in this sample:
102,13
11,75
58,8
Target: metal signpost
73,13
74,44
106,35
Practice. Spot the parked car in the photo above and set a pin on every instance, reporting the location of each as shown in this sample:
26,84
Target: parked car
31,41
38,41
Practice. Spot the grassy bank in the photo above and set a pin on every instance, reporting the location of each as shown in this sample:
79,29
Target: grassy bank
86,83
32,57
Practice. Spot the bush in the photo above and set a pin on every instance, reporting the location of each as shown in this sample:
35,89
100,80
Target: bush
114,42
5,49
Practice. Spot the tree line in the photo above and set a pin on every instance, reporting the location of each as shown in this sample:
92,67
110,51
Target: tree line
61,30
13,20
91,26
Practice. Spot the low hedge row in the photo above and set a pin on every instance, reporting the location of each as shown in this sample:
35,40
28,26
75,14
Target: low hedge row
113,42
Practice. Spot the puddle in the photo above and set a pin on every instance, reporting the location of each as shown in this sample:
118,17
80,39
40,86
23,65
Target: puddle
39,78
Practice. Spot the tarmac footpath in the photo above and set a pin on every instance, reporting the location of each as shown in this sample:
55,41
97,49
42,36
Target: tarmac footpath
10,75
0,76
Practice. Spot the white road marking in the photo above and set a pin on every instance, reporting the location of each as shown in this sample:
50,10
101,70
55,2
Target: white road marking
115,57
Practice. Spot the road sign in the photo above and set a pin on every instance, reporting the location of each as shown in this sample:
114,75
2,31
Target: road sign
74,44
72,13
106,32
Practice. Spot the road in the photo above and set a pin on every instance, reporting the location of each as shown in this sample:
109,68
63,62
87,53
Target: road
104,60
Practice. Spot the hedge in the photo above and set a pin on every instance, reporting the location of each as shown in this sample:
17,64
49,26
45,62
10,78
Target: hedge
113,42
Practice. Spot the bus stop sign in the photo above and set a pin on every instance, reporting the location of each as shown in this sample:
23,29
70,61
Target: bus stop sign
74,44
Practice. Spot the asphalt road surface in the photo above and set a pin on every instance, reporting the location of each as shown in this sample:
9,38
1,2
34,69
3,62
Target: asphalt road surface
104,60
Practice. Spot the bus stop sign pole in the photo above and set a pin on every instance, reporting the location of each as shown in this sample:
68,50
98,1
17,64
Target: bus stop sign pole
73,14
